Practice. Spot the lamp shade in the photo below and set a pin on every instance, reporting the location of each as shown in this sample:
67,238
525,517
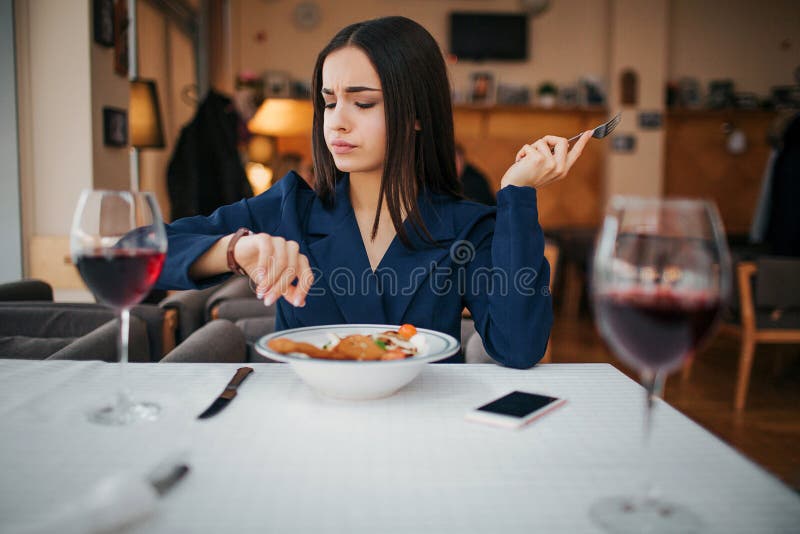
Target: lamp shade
144,115
282,117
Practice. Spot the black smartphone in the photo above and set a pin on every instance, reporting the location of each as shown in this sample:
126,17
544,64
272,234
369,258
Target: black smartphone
515,409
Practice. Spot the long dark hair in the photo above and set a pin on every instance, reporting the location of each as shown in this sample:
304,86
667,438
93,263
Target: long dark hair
415,88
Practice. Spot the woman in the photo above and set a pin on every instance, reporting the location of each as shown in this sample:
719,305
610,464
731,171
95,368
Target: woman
384,236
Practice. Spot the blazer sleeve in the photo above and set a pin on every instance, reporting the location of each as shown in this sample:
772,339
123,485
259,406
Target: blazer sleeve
507,289
190,237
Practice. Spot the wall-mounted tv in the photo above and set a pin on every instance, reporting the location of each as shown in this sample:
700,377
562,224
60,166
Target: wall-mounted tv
489,36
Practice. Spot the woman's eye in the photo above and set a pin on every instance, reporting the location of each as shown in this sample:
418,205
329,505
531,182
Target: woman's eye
330,105
364,106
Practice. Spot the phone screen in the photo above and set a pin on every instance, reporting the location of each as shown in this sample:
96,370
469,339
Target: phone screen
518,404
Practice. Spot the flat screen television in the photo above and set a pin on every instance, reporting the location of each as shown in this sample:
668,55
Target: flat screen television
489,36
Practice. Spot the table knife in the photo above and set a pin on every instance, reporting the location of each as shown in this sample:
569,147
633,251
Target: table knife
227,395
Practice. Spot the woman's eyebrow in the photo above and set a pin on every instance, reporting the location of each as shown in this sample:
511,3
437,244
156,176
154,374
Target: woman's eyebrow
354,89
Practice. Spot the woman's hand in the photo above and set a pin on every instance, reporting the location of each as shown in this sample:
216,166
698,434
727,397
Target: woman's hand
273,263
545,161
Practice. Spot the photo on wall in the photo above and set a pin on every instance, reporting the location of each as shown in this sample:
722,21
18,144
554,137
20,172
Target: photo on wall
115,127
103,13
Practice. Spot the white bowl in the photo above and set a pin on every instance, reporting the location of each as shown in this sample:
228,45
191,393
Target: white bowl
353,379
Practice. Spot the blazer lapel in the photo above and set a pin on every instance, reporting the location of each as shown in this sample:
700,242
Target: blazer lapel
413,267
337,250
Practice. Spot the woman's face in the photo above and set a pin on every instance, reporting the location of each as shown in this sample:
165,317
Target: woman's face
354,125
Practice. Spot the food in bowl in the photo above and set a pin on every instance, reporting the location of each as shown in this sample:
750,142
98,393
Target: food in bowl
388,345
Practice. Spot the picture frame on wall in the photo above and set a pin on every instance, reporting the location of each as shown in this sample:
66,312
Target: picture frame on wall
121,37
103,13
115,127
277,84
482,88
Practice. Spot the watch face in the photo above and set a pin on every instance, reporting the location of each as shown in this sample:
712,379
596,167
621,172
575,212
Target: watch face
306,15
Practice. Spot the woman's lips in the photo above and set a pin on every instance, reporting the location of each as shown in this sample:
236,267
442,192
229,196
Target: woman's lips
341,147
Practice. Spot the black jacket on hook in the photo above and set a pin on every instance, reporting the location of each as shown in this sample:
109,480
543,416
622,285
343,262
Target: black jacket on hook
205,171
783,232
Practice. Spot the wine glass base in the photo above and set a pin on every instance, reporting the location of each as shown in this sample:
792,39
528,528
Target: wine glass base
643,516
124,415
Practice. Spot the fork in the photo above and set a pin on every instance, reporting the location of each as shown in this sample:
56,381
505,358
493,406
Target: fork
600,131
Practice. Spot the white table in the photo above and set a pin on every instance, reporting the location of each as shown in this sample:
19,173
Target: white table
282,459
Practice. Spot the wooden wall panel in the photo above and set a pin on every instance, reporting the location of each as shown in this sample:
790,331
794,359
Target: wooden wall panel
699,166
576,201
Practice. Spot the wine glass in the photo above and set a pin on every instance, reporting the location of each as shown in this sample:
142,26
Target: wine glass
118,243
660,276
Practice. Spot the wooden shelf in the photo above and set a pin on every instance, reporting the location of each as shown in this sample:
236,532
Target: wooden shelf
719,113
558,110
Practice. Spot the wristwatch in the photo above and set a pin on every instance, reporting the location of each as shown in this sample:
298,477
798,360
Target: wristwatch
232,265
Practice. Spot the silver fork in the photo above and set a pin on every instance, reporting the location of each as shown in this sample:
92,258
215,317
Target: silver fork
600,131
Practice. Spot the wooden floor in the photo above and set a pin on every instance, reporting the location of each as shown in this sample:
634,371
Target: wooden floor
768,431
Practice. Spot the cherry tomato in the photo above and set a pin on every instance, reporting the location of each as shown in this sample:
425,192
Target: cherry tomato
407,331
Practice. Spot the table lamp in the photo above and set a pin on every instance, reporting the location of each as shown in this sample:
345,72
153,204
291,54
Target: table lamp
146,130
276,117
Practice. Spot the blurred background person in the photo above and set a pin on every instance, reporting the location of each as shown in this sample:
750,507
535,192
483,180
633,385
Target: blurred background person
476,185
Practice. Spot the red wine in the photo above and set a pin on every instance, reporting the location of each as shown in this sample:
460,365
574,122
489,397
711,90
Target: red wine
655,331
121,278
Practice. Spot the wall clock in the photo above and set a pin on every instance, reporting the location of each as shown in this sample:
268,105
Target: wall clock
306,15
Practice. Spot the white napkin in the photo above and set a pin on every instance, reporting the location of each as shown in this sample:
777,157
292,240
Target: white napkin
112,504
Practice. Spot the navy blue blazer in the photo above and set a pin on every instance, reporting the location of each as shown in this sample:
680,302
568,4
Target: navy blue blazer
490,260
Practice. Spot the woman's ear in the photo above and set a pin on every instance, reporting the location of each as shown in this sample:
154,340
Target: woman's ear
417,127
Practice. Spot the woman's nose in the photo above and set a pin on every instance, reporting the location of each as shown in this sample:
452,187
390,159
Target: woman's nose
337,119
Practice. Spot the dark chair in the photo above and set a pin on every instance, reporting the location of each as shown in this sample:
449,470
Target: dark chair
30,313
26,290
45,320
769,303
34,327
34,331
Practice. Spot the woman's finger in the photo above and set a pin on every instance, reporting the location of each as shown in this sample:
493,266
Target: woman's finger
305,279
560,147
276,264
259,274
577,149
549,162
284,281
521,153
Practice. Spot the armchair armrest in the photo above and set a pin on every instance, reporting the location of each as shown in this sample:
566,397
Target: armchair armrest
189,310
242,308
236,287
101,344
219,341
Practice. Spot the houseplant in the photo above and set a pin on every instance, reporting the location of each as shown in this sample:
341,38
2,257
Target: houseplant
546,94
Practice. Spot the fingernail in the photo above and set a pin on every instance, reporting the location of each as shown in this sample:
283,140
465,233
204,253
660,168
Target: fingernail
297,301
260,295
269,300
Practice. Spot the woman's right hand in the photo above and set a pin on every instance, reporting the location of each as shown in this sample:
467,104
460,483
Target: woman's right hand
273,263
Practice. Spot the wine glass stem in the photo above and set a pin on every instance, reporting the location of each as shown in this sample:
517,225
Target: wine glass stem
123,395
653,383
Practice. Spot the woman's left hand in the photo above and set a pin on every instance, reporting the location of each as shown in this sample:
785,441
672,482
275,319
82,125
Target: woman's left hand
545,161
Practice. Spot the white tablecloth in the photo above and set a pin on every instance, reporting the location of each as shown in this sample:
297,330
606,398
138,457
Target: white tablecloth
282,459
